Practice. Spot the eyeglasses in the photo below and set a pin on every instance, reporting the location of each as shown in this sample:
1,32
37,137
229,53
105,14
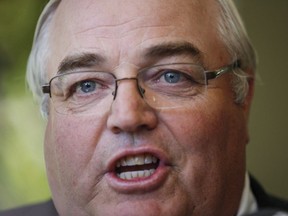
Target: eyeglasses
162,87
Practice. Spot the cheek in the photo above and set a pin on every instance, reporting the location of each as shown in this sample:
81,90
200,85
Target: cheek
210,139
198,128
209,149
215,123
69,148
68,140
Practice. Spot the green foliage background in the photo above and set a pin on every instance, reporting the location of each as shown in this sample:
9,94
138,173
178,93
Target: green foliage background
22,175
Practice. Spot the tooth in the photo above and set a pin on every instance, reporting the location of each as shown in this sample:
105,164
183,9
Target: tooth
151,171
128,175
146,173
122,176
139,160
134,174
148,159
123,162
130,161
133,161
141,174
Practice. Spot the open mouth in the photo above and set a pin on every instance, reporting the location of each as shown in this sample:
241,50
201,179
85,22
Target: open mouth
135,167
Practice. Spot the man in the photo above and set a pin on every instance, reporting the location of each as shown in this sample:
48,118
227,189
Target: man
147,106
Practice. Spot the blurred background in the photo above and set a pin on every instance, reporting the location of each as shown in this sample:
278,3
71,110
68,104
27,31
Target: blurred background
22,169
22,173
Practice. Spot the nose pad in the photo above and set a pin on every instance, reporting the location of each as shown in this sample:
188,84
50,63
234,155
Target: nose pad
140,89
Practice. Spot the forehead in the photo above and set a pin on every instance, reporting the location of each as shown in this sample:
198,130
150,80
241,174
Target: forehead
120,28
121,11
87,14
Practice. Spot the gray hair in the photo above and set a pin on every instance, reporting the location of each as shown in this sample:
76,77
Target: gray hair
233,33
36,74
230,28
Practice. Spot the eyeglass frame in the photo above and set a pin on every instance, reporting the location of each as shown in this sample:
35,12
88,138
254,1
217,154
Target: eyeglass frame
46,88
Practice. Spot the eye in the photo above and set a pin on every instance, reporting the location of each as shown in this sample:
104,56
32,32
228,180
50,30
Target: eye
172,76
86,86
175,77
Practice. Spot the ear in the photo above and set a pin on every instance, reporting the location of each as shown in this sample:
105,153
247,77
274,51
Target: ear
249,96
247,102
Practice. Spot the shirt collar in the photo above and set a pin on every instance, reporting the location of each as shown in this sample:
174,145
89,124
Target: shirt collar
248,202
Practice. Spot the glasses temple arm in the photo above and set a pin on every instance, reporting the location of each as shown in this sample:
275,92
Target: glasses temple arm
214,74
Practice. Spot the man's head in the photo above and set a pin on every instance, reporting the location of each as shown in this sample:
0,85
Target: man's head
129,156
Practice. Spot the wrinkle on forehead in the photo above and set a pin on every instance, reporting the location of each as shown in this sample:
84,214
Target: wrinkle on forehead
87,15
122,30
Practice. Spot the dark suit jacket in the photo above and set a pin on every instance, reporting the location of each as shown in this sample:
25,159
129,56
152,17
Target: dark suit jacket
265,200
268,205
41,209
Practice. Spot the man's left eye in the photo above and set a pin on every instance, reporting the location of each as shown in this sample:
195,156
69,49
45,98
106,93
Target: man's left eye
172,76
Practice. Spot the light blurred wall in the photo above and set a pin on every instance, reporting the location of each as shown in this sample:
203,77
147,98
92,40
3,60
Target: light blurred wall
22,175
267,25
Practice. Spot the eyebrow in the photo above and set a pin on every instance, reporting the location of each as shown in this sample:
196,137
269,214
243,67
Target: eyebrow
173,48
80,60
168,49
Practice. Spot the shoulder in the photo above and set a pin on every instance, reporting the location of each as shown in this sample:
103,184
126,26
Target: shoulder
43,209
265,200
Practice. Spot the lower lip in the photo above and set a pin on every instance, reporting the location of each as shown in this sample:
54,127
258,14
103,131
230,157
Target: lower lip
138,185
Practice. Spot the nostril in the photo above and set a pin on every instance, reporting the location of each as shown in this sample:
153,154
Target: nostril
123,120
115,130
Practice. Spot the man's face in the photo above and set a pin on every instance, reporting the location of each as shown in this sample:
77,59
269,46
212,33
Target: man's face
200,149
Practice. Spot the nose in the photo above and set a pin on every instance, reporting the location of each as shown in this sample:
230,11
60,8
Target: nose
129,112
